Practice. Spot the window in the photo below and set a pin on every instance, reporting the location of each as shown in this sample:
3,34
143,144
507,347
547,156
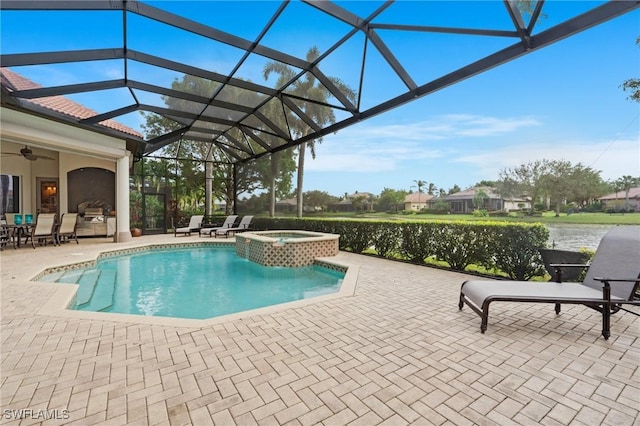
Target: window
9,194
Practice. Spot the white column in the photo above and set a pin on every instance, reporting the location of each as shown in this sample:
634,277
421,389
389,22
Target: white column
123,233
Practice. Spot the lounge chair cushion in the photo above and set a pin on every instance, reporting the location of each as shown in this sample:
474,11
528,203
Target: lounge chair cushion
194,225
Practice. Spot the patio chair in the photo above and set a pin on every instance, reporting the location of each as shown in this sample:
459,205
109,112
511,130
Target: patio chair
611,281
44,230
6,236
194,225
228,223
245,225
68,226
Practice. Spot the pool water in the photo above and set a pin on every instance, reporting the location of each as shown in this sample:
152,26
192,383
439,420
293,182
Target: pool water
195,283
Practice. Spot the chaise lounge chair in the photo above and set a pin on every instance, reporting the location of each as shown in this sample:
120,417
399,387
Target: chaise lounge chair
68,226
228,223
194,226
245,225
611,281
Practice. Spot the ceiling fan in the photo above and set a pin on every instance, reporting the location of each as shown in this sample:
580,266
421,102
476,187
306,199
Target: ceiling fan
27,153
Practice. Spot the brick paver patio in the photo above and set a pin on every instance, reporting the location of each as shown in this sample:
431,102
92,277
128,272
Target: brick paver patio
397,352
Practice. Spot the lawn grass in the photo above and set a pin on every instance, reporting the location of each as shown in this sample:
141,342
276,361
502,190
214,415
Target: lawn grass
547,217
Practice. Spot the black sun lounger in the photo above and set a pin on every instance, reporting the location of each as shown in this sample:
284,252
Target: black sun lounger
611,281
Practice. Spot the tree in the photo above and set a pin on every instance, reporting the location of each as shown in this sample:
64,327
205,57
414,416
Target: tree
525,179
390,198
313,98
420,184
217,172
480,199
625,183
557,182
633,84
588,185
454,189
319,199
432,189
489,183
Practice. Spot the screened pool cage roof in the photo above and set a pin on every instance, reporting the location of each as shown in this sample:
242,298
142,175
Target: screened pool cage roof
231,81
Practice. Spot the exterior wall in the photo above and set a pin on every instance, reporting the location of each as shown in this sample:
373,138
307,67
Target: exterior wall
14,165
415,206
30,171
634,203
513,205
71,148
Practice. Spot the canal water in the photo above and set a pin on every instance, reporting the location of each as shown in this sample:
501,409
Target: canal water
575,237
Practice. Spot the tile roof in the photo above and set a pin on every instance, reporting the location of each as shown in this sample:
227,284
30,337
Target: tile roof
59,104
417,197
621,195
471,193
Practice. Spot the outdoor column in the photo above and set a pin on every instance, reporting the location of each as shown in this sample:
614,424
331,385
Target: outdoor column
123,233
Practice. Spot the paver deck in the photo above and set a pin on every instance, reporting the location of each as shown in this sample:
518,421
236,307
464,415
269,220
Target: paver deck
397,352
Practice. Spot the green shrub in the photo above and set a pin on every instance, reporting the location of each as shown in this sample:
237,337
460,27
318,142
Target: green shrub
509,247
462,244
385,239
417,240
515,251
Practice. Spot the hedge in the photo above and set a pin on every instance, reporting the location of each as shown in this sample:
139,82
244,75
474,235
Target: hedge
506,246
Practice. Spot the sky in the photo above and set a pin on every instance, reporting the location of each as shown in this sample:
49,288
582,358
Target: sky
562,102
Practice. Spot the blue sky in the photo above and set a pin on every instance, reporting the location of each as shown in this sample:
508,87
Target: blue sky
561,102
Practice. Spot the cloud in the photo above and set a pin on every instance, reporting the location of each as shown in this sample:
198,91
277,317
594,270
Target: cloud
613,159
368,147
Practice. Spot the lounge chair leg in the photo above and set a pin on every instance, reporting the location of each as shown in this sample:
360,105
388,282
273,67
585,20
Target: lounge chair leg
461,302
606,311
557,308
485,318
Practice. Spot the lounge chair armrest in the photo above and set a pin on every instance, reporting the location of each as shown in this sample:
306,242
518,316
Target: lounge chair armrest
557,267
624,280
606,288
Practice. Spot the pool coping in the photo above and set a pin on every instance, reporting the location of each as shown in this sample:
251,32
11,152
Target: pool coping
65,294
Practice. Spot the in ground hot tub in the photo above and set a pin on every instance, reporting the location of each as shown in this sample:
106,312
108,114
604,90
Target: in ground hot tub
286,248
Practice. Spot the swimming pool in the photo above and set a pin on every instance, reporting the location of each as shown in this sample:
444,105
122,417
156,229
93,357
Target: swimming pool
194,282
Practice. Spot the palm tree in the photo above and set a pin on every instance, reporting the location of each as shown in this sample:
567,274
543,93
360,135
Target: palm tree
309,89
626,183
420,184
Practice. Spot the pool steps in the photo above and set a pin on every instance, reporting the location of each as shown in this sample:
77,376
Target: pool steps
102,297
96,289
87,284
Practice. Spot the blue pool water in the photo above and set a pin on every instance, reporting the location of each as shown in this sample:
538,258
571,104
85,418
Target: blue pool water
194,283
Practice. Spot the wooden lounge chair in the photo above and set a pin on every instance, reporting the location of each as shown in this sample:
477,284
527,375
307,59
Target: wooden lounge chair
44,230
228,223
245,225
68,227
194,226
611,281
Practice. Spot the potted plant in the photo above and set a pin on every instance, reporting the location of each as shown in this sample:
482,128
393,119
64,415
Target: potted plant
136,213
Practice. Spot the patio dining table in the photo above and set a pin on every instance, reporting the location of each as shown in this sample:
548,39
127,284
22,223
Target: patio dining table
17,232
